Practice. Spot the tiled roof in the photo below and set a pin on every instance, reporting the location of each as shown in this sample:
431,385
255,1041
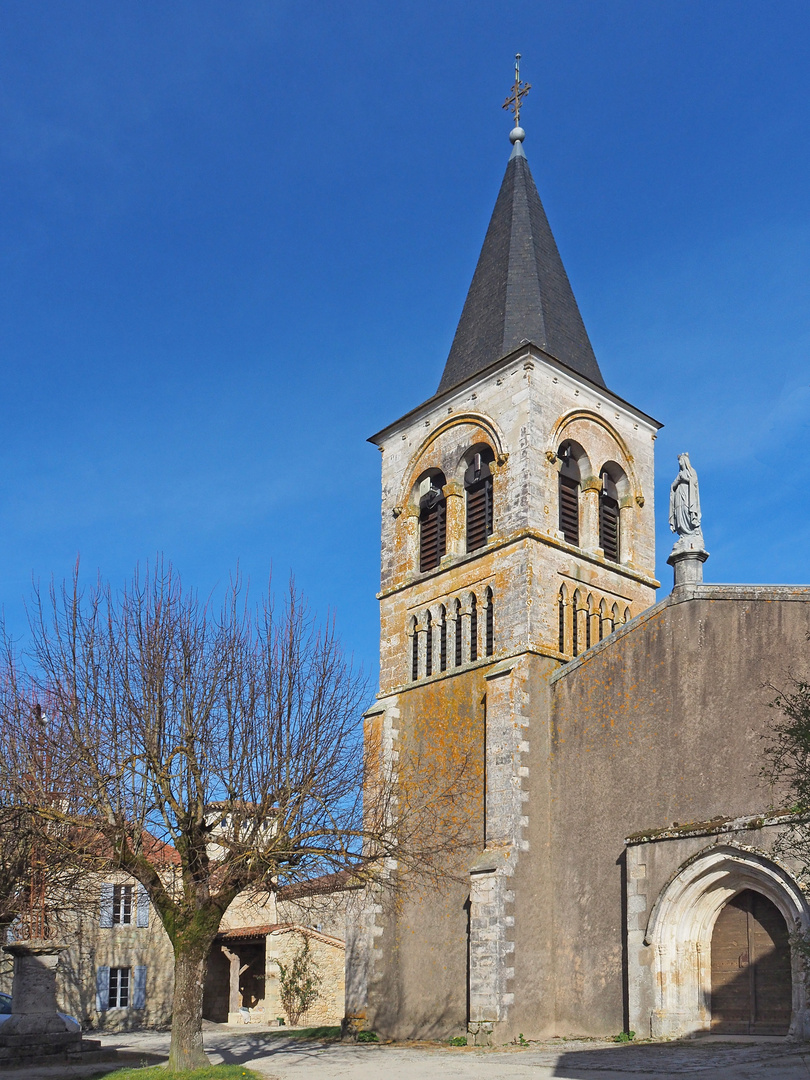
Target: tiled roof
239,933
326,883
159,853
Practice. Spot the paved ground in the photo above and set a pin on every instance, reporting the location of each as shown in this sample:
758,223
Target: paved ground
294,1059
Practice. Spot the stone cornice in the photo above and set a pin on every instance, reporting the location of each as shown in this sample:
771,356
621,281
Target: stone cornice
518,537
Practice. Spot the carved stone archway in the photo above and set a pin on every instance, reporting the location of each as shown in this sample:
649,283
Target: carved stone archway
680,932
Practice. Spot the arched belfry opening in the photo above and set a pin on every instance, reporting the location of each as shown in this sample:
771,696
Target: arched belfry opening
571,455
432,520
750,970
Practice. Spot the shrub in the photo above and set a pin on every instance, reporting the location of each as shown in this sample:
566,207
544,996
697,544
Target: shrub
367,1036
298,983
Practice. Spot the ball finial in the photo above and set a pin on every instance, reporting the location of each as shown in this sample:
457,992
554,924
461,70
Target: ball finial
517,134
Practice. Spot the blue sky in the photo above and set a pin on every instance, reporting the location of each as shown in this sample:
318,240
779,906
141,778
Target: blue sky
236,239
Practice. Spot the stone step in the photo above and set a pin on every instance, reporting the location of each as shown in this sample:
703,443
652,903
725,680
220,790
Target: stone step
88,1052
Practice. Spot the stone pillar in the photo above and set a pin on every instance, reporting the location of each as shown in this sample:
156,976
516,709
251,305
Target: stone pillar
687,566
626,519
33,1000
500,479
451,636
589,489
477,637
456,523
465,632
234,996
410,523
421,634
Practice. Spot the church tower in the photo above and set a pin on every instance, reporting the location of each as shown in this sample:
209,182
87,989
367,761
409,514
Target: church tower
517,531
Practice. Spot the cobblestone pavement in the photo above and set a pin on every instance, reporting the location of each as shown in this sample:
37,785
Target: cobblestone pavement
295,1059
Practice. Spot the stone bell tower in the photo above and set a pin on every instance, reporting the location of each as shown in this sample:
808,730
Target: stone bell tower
517,531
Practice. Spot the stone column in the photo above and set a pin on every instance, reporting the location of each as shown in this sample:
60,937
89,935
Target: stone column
456,523
465,632
410,523
234,996
589,489
626,519
499,481
452,630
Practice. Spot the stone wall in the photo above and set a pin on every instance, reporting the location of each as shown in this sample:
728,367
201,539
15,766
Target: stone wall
92,946
523,409
328,955
662,723
416,935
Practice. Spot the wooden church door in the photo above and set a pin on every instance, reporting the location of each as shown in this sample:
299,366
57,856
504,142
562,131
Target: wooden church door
751,976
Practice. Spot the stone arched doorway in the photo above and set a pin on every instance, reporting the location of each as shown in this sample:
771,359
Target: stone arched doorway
681,931
751,979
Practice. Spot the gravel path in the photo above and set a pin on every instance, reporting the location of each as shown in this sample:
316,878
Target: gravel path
283,1058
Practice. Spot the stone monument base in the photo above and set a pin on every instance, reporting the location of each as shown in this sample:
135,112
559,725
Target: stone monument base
36,1030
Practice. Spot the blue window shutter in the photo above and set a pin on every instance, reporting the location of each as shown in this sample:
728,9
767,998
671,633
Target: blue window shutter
102,989
143,907
106,916
139,987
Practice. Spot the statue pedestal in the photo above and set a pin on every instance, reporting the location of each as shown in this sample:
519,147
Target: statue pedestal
35,1020
688,565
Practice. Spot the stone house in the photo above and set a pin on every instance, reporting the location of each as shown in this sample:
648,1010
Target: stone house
117,971
519,622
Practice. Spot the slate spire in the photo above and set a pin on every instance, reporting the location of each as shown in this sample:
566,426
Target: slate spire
520,290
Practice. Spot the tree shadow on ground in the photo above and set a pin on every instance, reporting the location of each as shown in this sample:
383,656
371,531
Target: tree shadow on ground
672,1059
242,1050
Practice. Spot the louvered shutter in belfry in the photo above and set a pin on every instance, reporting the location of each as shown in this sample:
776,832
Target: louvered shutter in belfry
569,509
609,527
479,513
432,534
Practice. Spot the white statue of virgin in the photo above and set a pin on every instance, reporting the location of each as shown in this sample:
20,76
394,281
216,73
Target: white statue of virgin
684,508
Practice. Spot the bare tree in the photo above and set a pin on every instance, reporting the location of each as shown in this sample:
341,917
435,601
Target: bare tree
16,838
41,882
232,734
788,769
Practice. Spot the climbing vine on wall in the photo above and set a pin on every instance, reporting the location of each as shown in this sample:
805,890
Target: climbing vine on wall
298,983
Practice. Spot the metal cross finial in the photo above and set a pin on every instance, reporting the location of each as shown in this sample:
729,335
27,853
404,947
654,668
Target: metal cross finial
519,92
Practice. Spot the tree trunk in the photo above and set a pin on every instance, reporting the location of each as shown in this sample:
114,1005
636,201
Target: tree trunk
186,1050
